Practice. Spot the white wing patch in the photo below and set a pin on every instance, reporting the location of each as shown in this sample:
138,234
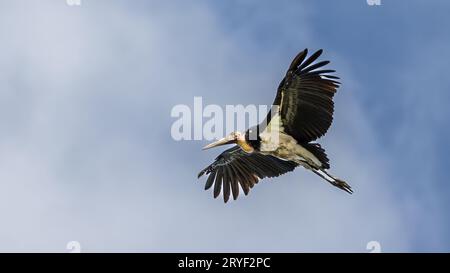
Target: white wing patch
276,142
270,137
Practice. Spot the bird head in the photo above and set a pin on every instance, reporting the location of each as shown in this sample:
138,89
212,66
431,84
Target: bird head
233,138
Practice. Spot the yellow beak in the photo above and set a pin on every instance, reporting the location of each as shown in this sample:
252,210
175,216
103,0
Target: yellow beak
224,141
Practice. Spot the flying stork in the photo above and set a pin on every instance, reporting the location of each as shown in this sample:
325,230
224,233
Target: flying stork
301,113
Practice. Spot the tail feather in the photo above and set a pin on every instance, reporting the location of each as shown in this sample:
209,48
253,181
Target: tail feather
318,152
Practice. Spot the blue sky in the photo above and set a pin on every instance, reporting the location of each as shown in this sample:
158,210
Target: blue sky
86,152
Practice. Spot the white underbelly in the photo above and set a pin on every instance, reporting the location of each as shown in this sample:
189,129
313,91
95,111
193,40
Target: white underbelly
275,142
286,147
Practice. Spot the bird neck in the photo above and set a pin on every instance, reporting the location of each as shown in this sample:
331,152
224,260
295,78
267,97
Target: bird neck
245,146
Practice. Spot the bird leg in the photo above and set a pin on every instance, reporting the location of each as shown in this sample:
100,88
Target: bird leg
333,180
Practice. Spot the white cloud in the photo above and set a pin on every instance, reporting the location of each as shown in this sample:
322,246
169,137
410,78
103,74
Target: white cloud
87,154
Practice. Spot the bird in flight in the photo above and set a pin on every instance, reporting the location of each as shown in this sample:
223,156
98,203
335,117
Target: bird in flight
301,113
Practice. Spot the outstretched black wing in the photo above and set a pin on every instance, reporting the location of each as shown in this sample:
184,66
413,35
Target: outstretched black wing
305,98
235,167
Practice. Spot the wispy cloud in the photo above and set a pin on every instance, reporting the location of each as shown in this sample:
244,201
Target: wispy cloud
86,152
